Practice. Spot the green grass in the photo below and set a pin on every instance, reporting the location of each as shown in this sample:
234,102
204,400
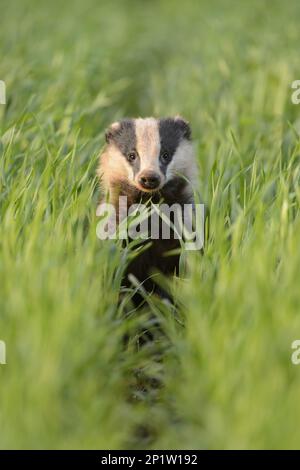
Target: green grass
70,69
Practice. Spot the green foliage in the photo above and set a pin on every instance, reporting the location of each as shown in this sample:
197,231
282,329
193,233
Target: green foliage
225,373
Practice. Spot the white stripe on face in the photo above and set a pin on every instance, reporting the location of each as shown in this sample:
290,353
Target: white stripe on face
183,163
148,143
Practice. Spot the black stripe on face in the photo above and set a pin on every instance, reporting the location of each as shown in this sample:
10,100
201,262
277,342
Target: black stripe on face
171,132
124,137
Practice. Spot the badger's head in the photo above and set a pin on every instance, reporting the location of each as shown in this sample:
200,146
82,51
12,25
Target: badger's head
148,154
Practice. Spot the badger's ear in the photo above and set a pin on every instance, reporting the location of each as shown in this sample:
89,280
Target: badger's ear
112,131
184,127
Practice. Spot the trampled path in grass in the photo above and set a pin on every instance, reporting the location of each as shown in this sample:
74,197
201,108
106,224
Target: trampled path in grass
70,69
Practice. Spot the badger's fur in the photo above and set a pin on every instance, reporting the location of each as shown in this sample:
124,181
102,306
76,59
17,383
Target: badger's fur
149,158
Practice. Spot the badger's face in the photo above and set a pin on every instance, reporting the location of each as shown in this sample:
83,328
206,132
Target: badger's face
149,152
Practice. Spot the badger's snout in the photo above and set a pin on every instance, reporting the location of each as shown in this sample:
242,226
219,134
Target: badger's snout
149,180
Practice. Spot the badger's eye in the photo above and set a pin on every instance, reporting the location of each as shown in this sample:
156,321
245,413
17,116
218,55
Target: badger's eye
165,157
131,157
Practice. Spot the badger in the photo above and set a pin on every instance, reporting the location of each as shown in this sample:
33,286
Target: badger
149,158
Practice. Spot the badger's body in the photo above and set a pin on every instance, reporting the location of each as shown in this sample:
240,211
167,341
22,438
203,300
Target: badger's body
149,158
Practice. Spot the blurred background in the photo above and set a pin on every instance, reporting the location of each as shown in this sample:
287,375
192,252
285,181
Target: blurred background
227,381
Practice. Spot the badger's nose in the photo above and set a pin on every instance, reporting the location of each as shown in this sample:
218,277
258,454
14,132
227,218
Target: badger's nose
149,180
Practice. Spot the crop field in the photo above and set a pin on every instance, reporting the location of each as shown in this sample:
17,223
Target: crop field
221,358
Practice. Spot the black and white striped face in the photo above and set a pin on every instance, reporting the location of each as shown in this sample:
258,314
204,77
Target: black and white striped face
151,151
